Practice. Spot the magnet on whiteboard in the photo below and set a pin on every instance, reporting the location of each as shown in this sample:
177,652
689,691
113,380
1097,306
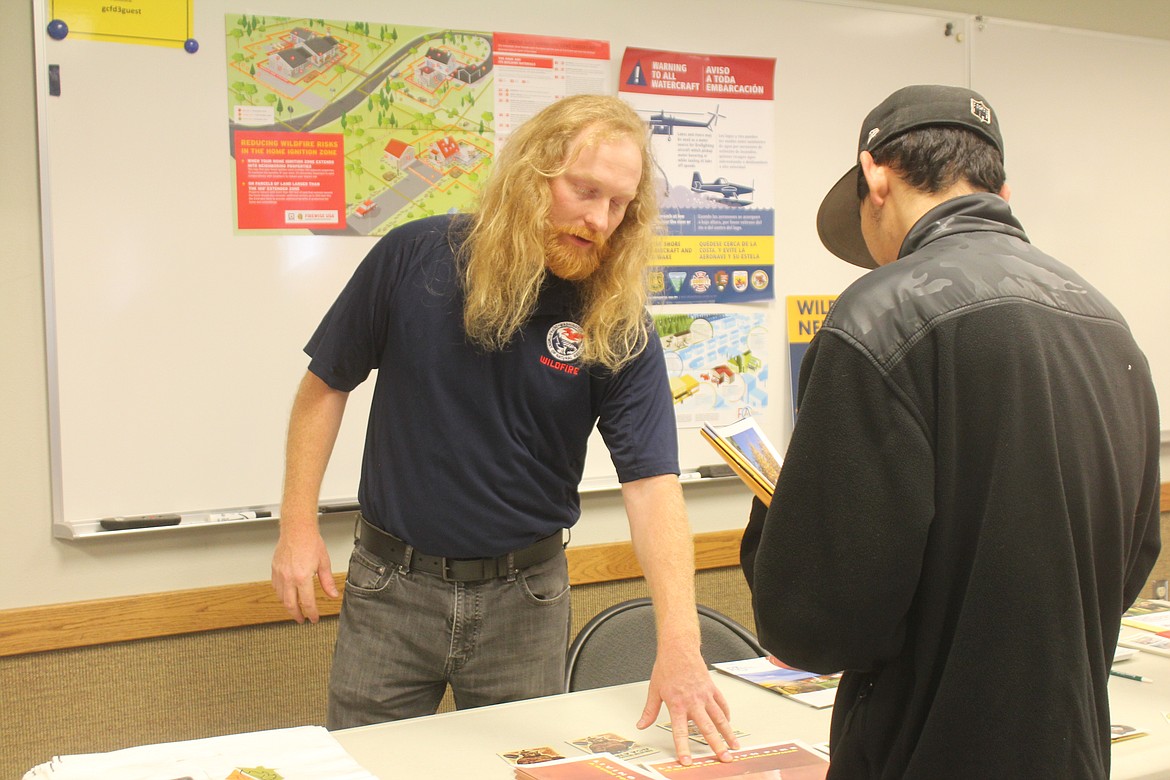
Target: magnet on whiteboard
58,30
191,45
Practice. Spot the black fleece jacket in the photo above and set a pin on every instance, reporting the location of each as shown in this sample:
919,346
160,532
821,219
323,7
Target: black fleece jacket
968,503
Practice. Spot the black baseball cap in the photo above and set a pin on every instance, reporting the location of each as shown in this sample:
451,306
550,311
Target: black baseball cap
839,218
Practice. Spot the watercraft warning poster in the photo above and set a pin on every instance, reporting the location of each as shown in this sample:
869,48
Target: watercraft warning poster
806,314
711,123
352,128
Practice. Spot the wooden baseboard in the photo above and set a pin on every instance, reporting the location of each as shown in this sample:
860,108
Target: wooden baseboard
85,623
102,621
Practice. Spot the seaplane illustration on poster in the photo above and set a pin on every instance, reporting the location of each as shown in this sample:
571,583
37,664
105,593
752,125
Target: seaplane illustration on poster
728,192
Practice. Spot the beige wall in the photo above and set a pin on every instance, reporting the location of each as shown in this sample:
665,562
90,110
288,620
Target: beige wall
38,569
1124,17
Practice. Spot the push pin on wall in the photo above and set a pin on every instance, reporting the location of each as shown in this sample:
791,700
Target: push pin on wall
58,30
949,31
191,45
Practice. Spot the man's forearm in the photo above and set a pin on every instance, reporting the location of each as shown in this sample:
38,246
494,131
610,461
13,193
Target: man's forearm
312,432
665,549
300,553
680,680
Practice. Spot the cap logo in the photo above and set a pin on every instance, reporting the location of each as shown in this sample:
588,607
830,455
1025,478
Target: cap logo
872,133
981,111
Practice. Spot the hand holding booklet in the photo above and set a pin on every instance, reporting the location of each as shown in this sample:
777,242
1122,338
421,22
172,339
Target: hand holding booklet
749,453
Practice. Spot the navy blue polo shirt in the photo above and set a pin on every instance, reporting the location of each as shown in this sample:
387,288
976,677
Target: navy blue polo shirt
472,453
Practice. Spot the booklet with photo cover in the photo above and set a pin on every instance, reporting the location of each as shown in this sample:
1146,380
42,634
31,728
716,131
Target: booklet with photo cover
793,760
749,453
600,766
815,690
1119,732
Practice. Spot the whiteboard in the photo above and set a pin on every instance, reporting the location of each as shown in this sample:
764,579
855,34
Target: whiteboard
1085,118
175,344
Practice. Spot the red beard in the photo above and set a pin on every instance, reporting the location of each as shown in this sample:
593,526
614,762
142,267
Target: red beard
569,260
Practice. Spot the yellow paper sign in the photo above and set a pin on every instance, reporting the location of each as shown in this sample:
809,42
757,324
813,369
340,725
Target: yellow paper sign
805,315
147,22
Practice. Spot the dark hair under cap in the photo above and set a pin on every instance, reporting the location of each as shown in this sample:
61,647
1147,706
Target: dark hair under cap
839,218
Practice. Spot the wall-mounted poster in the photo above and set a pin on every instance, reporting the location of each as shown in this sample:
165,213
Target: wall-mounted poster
533,71
717,364
352,127
711,124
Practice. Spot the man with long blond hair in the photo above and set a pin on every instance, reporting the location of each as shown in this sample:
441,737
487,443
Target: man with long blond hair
508,250
500,339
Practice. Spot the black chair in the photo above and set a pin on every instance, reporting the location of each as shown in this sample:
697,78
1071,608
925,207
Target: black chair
618,645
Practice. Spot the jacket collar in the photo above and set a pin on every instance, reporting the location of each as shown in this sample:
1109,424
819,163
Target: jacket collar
981,211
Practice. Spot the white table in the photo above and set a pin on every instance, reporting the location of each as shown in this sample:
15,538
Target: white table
1146,706
467,743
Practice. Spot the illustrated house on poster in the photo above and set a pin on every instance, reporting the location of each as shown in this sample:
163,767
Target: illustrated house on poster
429,77
308,51
399,154
324,48
448,153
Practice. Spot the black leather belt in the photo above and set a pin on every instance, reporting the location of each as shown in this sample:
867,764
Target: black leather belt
393,550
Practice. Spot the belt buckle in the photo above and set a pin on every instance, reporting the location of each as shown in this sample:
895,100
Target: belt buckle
447,572
447,566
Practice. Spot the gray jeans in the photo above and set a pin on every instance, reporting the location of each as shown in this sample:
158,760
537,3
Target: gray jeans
404,635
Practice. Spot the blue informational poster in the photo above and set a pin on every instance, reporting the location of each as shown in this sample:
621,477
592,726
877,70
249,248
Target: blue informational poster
717,363
711,121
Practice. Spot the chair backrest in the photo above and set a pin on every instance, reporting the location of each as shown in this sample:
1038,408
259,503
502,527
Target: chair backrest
619,644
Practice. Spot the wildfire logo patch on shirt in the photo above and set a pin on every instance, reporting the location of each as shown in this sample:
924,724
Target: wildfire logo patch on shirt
564,341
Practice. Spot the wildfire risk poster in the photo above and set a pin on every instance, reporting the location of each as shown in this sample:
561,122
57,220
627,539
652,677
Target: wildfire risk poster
352,128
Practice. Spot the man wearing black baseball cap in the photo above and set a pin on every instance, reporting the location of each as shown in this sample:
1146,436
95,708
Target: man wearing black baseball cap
969,499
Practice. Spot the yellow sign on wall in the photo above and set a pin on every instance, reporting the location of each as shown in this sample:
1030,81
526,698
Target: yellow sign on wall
805,315
148,22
